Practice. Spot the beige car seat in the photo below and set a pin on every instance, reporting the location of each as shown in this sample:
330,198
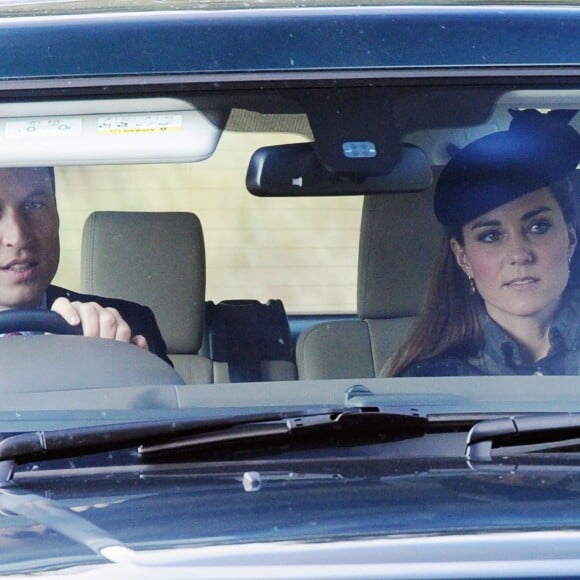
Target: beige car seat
398,243
156,259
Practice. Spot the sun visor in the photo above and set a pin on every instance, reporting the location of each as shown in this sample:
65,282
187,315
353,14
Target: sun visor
296,170
151,130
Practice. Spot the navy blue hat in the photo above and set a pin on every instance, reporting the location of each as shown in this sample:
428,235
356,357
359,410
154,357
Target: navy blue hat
537,150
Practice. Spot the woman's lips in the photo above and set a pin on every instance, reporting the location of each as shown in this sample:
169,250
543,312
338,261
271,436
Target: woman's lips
522,282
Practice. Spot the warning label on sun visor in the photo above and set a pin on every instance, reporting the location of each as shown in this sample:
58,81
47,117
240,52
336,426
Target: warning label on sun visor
147,123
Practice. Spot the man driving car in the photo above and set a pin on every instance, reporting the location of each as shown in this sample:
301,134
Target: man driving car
29,257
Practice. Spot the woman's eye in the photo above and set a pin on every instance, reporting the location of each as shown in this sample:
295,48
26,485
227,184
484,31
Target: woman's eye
489,236
539,227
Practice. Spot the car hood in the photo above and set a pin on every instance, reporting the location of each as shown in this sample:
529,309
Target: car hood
55,518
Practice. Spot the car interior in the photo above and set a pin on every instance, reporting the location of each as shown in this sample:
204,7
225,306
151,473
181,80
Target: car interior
253,332
159,256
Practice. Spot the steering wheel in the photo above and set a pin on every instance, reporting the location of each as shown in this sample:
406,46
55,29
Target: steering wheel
63,365
35,321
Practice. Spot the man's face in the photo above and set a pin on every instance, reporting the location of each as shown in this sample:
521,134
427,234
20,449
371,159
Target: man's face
29,242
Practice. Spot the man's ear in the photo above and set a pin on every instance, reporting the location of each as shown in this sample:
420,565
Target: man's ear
461,257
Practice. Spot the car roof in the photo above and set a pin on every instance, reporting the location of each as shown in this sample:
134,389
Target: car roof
32,7
90,40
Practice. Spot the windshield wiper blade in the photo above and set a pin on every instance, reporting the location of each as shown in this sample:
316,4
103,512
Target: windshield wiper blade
46,445
522,434
348,419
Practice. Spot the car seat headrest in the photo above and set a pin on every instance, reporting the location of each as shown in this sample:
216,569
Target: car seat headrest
399,240
152,258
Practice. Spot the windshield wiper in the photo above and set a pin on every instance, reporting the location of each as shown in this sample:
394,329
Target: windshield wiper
522,434
155,436
346,420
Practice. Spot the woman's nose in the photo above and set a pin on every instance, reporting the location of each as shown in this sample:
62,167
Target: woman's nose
521,253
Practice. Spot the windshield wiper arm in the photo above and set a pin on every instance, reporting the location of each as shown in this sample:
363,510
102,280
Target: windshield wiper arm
46,445
351,418
522,434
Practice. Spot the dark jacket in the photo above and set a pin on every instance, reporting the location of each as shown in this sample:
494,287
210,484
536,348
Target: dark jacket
501,354
140,318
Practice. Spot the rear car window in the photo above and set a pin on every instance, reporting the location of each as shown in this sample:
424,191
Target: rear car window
303,251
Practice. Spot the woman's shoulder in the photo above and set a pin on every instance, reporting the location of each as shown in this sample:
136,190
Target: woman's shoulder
444,365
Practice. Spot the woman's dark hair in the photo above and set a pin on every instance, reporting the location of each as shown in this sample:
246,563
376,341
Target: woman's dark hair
450,319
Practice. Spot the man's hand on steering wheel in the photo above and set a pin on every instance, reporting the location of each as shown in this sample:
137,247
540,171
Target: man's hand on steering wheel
97,321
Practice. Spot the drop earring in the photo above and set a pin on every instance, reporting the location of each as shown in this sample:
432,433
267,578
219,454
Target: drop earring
472,288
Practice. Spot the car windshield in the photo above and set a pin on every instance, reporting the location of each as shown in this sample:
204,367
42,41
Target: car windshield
270,244
259,262
276,240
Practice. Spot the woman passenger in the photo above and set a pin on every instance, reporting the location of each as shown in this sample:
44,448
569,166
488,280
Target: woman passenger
501,300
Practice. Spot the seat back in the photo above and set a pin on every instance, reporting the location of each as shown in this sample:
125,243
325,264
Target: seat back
399,240
156,259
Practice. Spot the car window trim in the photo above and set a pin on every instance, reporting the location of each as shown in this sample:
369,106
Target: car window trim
296,79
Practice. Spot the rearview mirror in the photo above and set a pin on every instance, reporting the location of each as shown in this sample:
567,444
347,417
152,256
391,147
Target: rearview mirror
295,170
